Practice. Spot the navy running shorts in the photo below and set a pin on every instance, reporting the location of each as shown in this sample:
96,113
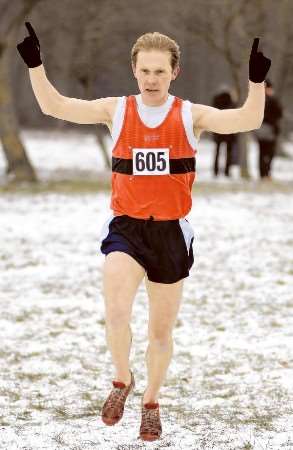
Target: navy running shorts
162,247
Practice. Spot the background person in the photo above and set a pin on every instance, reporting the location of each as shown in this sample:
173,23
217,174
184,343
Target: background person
267,134
223,100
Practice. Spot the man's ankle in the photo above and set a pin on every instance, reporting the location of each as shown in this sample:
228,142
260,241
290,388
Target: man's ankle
124,380
149,398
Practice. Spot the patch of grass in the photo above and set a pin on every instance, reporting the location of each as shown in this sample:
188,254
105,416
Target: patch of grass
26,314
220,328
83,182
62,358
21,317
54,333
58,438
71,187
64,376
16,265
15,358
39,405
101,321
262,421
247,446
33,354
66,413
67,324
24,415
86,396
33,377
13,396
4,422
58,310
254,186
61,412
228,394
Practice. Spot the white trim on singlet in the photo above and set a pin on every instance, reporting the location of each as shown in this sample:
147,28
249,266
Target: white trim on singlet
144,111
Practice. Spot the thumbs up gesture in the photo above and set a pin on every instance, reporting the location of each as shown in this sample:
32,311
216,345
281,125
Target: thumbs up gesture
258,64
29,48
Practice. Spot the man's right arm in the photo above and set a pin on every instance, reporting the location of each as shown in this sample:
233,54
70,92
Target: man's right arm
75,110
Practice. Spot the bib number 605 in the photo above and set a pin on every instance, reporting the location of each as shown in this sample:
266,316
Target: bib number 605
150,161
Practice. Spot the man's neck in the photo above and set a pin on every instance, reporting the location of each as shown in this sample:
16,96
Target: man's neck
146,102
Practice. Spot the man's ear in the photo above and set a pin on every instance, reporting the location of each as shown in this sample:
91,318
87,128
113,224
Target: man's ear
176,72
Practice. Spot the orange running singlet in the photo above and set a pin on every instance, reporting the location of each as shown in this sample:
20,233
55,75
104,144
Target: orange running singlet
153,169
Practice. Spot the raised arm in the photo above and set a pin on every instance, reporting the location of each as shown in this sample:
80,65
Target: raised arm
47,96
50,100
250,115
226,121
74,110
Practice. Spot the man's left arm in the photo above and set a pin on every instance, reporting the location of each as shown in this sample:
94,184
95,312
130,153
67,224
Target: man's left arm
226,121
250,115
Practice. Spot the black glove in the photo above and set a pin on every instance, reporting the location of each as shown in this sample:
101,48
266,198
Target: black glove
258,64
29,48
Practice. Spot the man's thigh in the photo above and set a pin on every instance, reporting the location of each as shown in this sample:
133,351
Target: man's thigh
164,303
122,275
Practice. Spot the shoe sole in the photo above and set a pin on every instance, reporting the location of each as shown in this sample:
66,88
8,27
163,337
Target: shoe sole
149,437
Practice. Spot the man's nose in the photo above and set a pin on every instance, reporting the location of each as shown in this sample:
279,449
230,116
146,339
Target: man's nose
152,79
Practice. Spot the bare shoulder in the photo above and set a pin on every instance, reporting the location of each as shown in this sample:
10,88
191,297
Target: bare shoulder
110,106
198,112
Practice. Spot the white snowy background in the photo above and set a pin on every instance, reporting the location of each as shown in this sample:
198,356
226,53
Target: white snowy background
230,382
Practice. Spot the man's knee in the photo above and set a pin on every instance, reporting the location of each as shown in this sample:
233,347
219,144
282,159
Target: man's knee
161,339
118,317
113,324
160,335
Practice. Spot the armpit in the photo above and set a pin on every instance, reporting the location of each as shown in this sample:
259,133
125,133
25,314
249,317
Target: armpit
197,132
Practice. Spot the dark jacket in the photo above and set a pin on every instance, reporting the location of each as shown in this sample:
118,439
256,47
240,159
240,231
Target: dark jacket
273,112
270,127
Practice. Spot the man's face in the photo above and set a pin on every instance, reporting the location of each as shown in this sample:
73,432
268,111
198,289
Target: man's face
154,74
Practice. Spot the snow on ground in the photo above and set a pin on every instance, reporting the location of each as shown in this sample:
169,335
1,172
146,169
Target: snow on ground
229,385
60,155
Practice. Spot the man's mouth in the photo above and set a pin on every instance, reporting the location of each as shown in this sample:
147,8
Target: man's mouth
152,90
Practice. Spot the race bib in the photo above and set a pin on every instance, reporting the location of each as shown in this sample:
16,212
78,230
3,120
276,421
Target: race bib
150,161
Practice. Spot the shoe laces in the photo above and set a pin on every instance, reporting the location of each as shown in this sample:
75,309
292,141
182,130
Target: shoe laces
151,418
117,397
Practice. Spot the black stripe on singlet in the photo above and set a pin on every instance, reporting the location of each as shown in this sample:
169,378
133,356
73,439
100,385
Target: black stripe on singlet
182,165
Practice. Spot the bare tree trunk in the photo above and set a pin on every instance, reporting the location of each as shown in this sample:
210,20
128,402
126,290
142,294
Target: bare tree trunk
99,132
102,143
18,167
85,68
243,151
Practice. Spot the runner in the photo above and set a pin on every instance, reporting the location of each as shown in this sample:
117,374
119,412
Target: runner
153,169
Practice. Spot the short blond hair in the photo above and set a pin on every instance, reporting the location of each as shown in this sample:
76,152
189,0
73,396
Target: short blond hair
156,41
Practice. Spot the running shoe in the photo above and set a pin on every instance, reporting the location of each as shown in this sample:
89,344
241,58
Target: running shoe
113,407
151,426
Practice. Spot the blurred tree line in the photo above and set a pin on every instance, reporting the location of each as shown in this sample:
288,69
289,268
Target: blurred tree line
85,49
